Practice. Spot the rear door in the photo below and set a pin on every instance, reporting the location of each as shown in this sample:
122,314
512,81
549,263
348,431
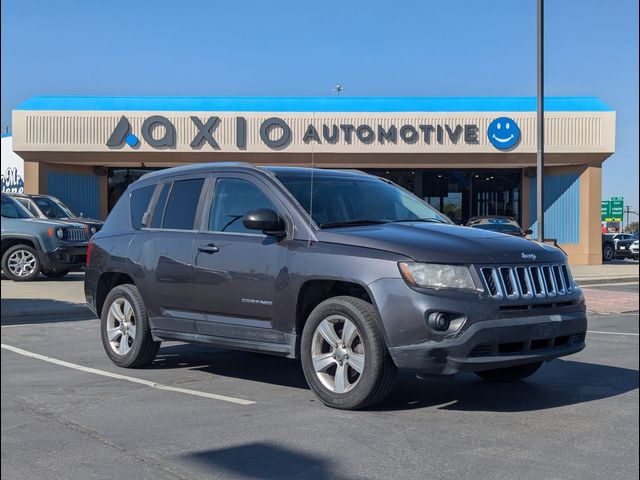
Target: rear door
238,273
165,247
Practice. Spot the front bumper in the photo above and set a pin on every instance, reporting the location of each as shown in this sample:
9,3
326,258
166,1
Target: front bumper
73,257
498,343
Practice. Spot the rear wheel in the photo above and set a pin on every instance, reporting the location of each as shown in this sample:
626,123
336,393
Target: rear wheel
55,273
20,263
126,336
344,357
608,252
510,374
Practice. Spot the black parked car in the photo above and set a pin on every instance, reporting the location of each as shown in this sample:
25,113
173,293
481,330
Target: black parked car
497,223
347,271
48,206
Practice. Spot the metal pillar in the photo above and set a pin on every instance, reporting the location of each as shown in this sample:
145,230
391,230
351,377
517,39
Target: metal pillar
540,122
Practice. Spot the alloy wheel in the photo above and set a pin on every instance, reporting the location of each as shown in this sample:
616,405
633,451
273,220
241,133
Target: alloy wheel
337,353
22,263
121,326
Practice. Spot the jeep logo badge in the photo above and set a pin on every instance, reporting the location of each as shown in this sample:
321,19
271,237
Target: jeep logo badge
529,256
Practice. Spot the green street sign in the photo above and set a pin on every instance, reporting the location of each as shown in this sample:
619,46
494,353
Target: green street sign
617,208
606,210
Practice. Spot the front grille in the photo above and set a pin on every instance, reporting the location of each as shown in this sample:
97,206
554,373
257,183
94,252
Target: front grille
539,281
76,234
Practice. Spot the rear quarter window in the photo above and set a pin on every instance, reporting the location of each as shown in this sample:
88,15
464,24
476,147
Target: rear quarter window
139,204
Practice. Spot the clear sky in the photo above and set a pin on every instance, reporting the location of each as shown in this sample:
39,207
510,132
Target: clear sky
298,48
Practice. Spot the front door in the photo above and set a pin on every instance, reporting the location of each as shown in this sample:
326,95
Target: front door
238,273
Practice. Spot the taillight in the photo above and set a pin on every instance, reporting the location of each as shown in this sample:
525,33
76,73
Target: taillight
89,248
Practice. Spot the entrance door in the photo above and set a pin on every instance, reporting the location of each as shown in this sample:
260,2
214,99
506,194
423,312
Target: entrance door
238,272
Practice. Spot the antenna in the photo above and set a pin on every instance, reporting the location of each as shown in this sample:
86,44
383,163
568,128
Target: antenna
338,89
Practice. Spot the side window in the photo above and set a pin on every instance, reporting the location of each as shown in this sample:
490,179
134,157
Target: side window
232,199
139,204
180,213
158,211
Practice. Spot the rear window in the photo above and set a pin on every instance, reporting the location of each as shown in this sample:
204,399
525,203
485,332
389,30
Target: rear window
139,204
180,213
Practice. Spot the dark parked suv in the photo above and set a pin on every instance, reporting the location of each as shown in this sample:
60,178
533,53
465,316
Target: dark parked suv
347,271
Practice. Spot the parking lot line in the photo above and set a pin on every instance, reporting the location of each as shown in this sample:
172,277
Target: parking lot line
613,333
148,383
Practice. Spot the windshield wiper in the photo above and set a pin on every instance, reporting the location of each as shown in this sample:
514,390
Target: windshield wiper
430,220
351,223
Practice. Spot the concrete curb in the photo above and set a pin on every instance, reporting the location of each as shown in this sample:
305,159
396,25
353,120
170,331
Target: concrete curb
584,282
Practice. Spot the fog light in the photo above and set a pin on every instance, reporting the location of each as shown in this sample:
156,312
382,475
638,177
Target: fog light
439,321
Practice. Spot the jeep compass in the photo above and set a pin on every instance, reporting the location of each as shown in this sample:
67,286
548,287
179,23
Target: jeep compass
346,271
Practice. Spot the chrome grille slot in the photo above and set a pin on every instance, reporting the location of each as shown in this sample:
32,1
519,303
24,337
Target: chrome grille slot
509,282
535,281
557,275
549,283
524,282
492,282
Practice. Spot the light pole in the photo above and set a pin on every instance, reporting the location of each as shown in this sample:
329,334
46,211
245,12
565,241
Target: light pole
540,122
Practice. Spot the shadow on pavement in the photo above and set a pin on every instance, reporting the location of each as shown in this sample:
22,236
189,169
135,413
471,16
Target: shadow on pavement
234,364
556,384
71,277
19,311
263,461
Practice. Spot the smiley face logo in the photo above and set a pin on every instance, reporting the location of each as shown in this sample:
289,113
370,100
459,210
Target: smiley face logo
503,133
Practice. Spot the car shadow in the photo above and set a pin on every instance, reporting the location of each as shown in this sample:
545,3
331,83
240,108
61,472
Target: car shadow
25,311
558,383
256,367
264,461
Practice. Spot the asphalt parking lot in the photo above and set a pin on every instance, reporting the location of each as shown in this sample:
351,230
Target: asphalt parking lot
201,412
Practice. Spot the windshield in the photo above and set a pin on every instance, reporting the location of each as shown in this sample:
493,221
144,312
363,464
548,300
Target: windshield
12,209
349,200
52,209
499,227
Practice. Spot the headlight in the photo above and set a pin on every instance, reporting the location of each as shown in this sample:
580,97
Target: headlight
59,233
93,229
434,275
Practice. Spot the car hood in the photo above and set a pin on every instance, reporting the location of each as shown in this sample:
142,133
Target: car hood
53,223
80,220
430,242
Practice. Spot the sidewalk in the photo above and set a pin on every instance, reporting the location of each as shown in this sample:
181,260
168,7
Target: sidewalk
619,271
44,299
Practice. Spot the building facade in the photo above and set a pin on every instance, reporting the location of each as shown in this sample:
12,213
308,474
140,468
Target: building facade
465,156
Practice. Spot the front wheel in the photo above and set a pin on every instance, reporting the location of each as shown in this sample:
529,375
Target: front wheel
344,356
608,252
510,374
20,263
124,325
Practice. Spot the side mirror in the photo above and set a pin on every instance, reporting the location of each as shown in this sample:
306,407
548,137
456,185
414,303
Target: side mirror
265,220
528,231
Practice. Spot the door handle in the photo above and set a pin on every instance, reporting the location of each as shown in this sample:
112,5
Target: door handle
211,248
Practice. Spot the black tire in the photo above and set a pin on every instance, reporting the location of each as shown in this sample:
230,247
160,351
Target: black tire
510,374
26,249
143,348
55,273
608,252
376,380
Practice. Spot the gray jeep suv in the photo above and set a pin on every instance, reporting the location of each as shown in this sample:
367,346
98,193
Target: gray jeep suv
31,245
346,271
